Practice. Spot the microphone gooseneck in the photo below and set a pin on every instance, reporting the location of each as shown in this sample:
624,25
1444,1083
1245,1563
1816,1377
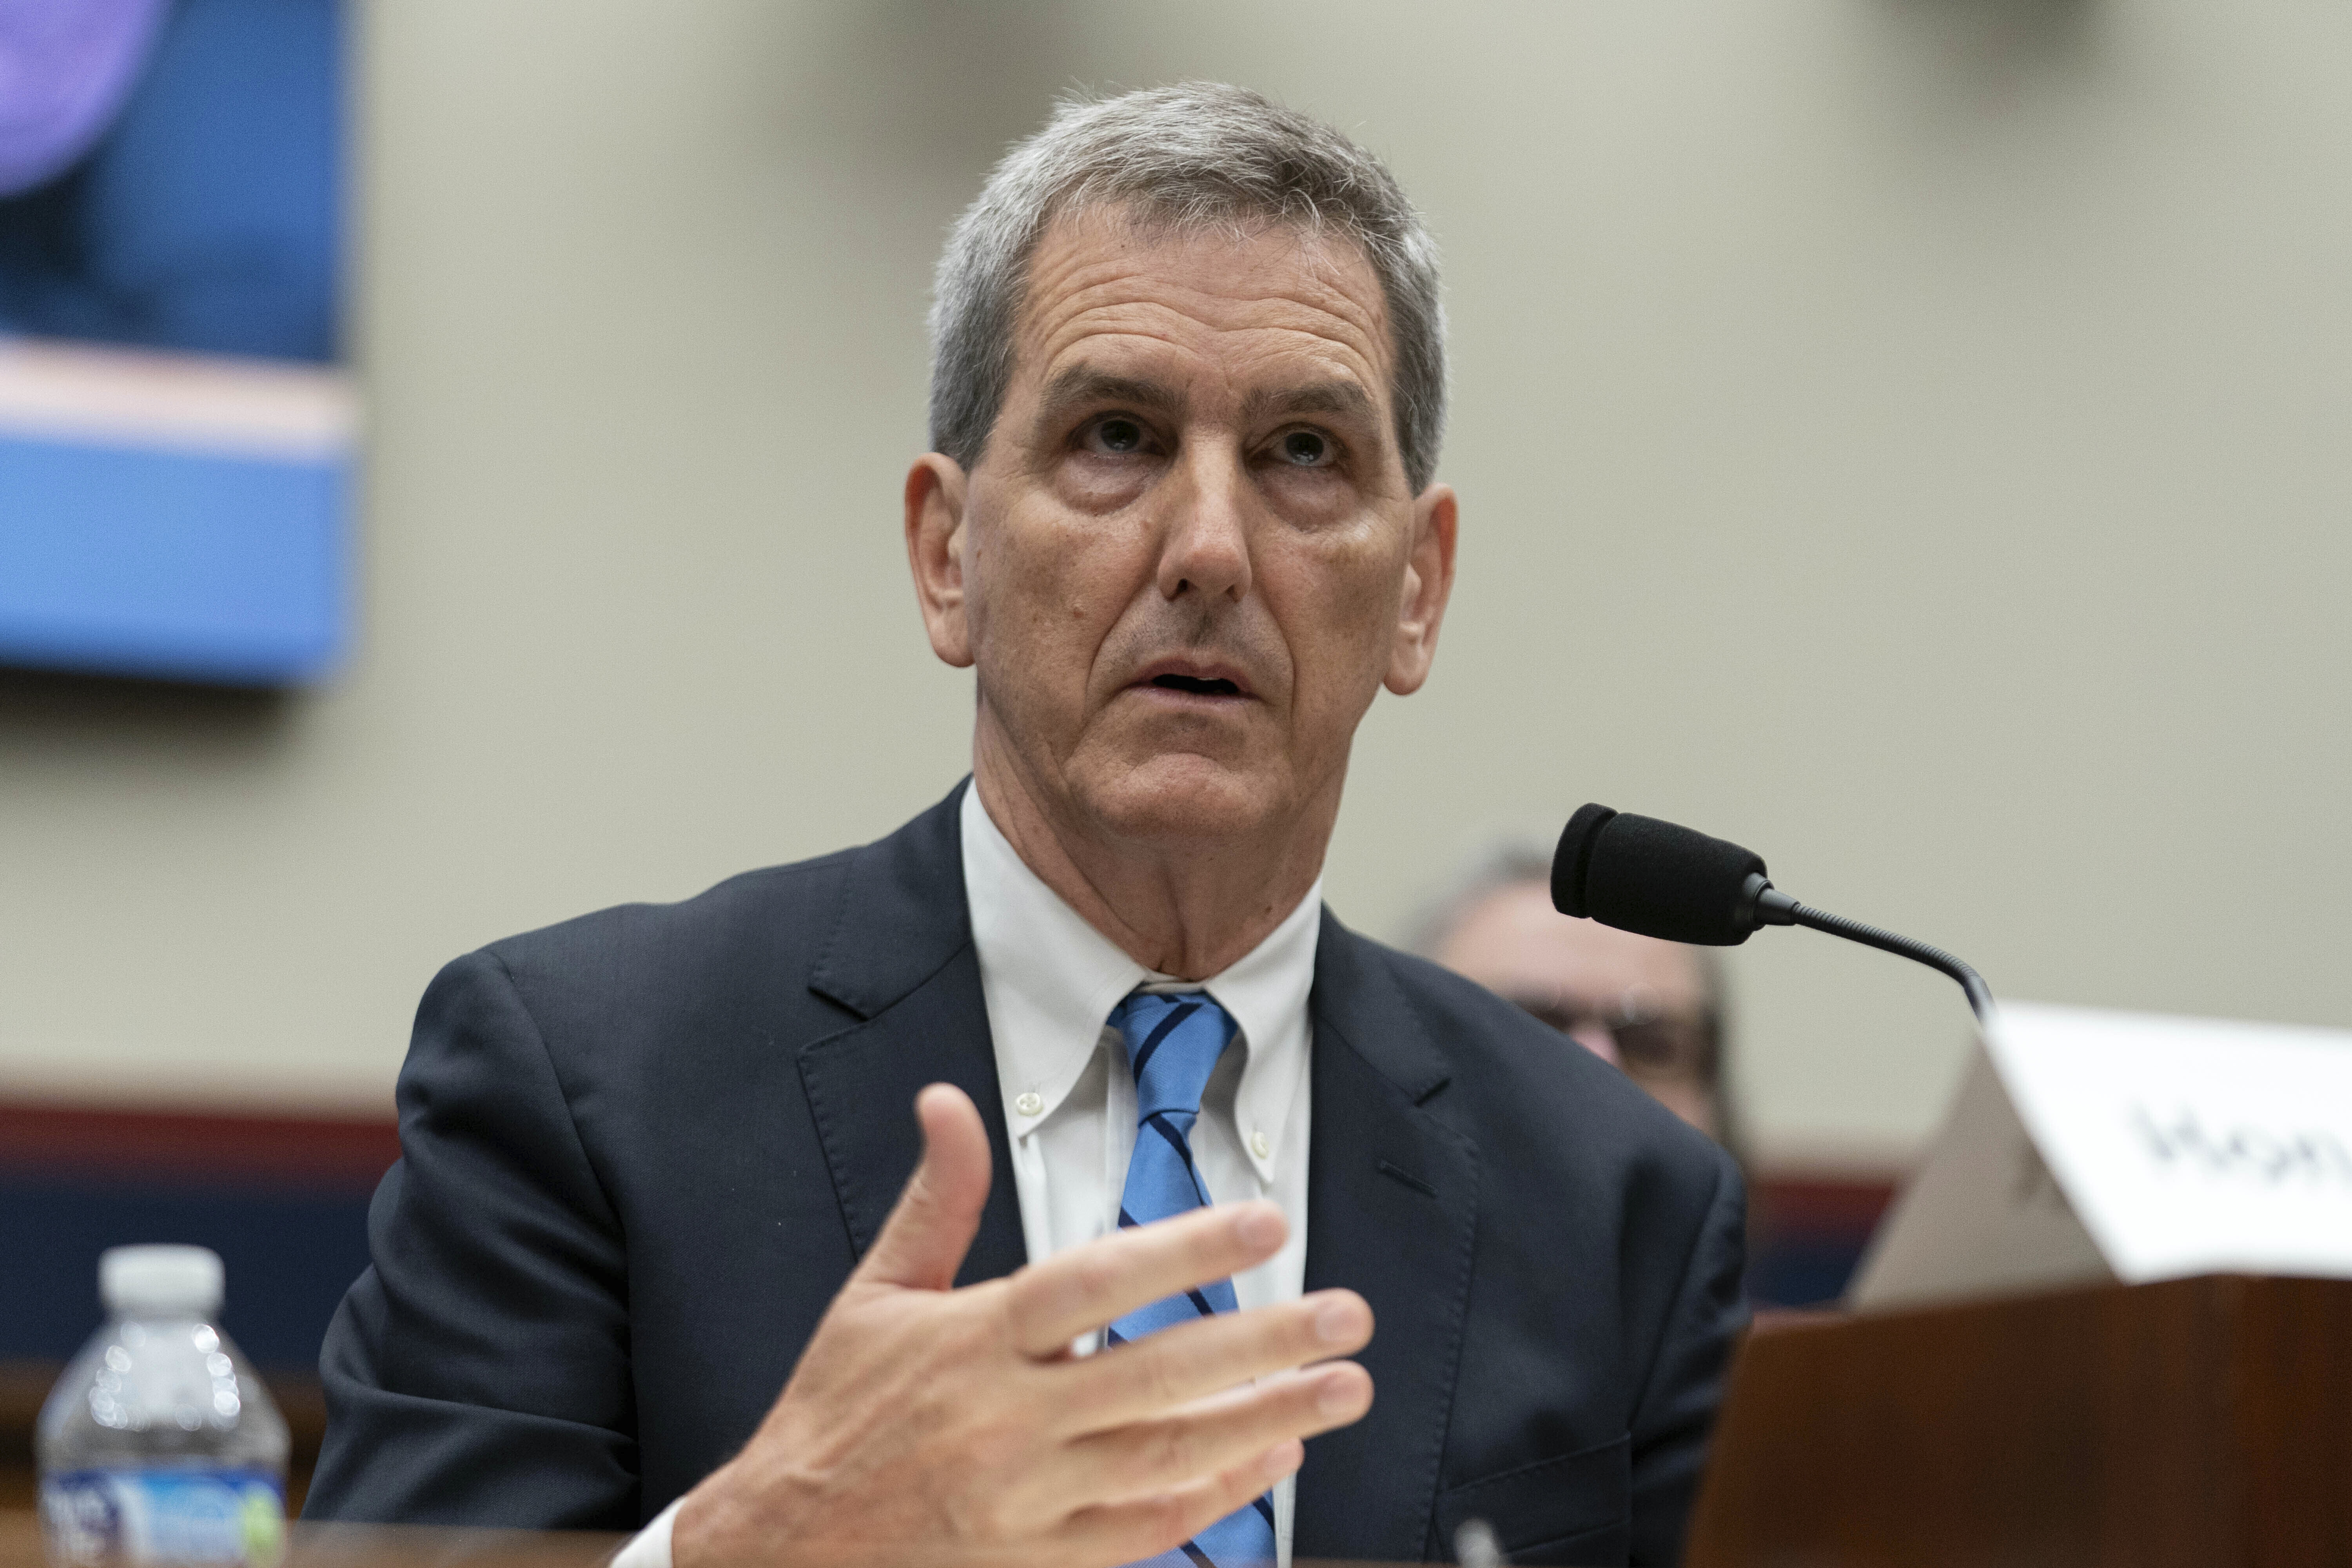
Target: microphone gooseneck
1656,879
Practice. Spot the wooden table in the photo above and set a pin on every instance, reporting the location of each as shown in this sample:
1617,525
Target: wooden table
2192,1424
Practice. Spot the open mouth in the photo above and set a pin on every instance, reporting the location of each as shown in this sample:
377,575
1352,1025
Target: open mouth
1199,687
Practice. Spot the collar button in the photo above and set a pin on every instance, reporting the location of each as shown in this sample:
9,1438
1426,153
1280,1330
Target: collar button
1259,1146
1029,1104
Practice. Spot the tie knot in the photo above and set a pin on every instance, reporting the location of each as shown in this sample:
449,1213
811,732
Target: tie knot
1172,1047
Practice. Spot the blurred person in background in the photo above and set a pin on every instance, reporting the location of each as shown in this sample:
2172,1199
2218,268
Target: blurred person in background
1654,1009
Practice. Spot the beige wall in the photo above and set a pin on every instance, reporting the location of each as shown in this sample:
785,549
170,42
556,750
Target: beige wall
1905,436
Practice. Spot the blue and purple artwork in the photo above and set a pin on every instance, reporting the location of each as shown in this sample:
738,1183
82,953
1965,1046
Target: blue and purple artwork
176,431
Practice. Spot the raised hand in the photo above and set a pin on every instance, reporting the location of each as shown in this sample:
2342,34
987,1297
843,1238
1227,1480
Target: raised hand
927,1424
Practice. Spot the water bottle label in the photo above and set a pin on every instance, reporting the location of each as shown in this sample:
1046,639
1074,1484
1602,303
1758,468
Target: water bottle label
100,1519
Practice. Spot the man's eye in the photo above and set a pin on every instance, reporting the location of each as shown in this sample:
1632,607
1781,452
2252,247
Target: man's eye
1115,434
1305,448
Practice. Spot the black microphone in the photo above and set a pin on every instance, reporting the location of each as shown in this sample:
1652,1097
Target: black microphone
1655,879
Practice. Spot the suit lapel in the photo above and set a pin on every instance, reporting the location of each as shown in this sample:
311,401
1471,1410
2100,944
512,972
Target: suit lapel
1391,1189
1391,1212
901,959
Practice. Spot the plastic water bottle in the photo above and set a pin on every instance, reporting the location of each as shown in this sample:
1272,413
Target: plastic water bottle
159,1445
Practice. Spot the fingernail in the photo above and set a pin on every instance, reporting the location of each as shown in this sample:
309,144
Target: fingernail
1259,1227
1336,1323
1336,1396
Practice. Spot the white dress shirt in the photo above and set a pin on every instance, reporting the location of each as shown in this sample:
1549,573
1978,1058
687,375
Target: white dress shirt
1050,980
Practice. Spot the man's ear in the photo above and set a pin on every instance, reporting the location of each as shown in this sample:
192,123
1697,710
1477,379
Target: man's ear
936,487
1428,583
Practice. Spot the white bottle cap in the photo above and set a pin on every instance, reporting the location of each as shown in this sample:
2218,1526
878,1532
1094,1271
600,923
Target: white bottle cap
158,1281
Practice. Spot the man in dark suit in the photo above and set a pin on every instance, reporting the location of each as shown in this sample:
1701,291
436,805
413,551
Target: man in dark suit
1181,1140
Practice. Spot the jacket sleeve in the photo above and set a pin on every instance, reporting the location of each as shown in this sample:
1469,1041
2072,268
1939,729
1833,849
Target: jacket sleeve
477,1372
1686,1380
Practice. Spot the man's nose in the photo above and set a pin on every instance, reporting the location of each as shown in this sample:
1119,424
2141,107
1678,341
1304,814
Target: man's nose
1205,547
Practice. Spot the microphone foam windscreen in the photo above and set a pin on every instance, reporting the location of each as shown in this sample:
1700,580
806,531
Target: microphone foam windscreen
1652,878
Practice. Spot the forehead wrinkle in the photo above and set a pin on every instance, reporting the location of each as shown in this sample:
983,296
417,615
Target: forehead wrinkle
1177,309
1078,263
1115,246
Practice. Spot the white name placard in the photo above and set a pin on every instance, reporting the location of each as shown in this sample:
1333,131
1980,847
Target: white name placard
2089,1145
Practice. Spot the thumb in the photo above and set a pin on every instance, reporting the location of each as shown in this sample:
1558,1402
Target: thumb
923,1242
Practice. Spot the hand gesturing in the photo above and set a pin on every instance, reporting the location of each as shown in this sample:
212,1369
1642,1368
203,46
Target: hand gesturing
932,1424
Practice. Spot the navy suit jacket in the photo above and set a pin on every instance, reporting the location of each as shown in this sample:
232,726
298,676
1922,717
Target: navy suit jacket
642,1151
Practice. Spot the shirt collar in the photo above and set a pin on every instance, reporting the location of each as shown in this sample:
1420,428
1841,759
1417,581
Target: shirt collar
1051,981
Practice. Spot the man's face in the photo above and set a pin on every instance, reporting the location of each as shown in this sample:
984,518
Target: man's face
1189,557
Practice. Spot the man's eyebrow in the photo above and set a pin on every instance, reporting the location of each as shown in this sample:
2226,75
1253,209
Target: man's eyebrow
1082,384
1346,398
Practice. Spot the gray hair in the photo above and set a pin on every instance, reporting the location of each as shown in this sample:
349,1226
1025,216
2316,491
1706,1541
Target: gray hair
1199,155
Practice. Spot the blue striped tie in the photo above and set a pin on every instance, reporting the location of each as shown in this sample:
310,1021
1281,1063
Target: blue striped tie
1172,1047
